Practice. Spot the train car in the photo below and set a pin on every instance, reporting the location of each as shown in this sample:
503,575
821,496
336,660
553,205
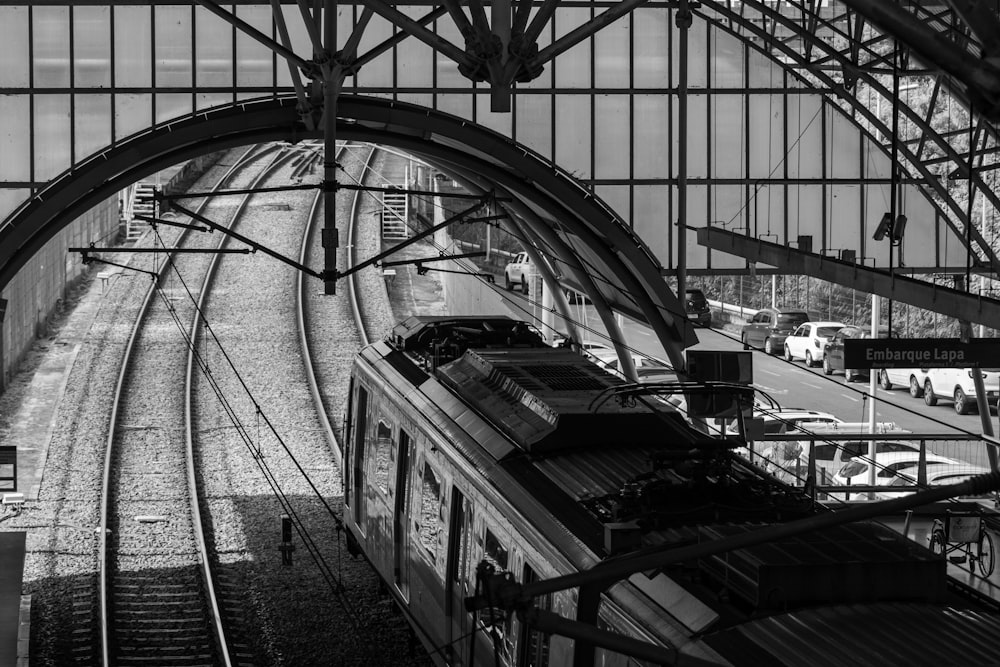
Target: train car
472,449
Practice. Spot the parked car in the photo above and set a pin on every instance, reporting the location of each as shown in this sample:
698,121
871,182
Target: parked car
855,471
696,307
958,385
833,359
913,378
518,272
831,453
937,474
770,326
808,342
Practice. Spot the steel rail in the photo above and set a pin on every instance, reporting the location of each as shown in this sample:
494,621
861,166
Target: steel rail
352,284
109,448
300,298
196,320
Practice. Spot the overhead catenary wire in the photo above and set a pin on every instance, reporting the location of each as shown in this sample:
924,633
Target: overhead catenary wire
335,584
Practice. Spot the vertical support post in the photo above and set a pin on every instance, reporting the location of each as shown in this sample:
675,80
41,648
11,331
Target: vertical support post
984,413
683,21
500,91
872,388
331,90
587,603
548,312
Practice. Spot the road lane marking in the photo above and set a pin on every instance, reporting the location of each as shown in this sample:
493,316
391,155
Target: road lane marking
814,386
764,370
769,390
851,398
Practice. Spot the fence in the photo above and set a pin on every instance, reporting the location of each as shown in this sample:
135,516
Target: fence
842,469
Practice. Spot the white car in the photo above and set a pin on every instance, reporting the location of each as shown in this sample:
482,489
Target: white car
958,385
518,272
809,340
855,471
831,455
912,378
937,474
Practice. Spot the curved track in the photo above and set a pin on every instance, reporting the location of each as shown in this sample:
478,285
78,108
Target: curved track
158,596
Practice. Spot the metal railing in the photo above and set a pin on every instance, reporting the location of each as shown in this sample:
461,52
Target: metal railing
821,456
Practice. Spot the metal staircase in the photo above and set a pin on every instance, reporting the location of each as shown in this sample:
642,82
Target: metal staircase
395,214
142,204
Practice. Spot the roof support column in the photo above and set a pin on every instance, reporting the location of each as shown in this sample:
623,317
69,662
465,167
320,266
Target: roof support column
683,20
331,90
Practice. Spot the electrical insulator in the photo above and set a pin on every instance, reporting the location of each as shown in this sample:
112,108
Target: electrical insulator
286,547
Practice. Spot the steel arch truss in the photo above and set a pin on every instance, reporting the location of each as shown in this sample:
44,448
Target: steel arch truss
857,49
631,278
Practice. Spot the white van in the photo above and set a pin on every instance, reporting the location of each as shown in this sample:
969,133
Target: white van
957,384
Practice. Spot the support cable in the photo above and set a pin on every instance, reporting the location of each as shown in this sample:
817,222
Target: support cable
336,585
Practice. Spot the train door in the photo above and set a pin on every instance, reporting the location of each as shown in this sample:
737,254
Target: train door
429,550
401,514
457,582
532,645
493,634
358,463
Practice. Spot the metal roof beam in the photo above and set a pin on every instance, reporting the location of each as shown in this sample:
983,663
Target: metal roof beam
253,32
981,17
981,77
408,25
936,298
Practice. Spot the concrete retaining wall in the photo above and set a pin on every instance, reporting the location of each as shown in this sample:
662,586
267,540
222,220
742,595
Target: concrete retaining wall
36,294
38,291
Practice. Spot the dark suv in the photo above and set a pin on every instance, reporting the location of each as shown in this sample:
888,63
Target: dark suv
770,326
696,307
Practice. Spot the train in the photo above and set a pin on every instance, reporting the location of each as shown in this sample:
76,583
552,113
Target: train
525,507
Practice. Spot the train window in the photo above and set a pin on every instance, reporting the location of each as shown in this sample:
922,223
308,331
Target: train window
430,512
498,625
384,455
495,553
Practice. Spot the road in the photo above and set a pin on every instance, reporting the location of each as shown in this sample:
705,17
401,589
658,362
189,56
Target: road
793,385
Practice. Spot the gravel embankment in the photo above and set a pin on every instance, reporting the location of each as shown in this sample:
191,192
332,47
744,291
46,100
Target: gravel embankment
295,615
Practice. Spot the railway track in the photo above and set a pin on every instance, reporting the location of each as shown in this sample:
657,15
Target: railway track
315,313
159,602
290,613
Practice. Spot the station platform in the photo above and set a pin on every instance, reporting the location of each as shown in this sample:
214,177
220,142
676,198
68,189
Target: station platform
409,292
15,609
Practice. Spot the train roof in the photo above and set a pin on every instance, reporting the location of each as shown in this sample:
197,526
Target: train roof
622,474
545,400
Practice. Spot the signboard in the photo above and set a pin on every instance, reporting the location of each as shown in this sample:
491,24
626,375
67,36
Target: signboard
921,353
